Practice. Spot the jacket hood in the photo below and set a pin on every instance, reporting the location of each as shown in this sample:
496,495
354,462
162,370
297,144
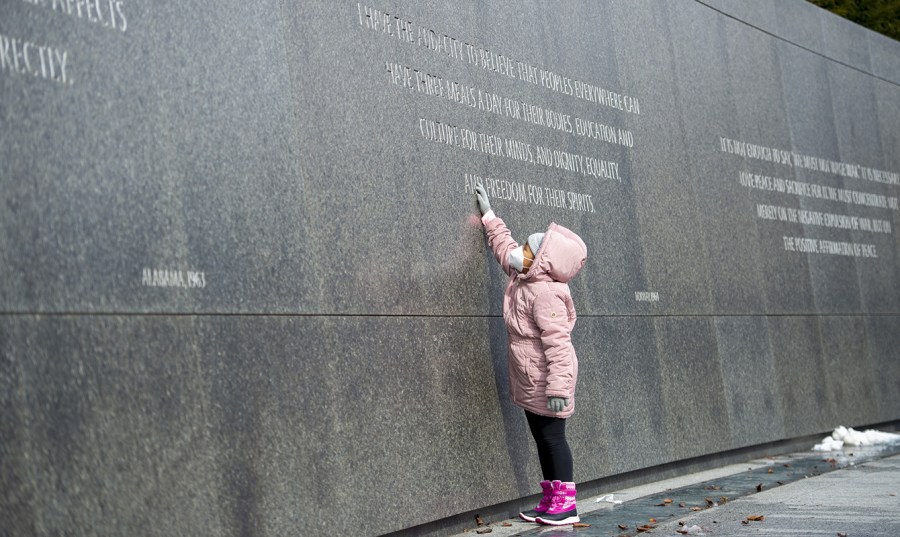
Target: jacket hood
560,257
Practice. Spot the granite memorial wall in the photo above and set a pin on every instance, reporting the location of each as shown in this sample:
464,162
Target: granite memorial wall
245,290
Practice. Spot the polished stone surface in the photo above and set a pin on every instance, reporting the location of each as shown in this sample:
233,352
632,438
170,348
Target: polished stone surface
885,63
115,420
291,184
707,107
849,372
620,424
754,415
883,342
242,273
798,355
833,279
694,398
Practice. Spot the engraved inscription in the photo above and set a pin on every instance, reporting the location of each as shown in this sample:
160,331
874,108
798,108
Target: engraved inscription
821,246
186,279
521,192
808,162
27,58
448,134
431,84
106,13
406,31
816,218
810,218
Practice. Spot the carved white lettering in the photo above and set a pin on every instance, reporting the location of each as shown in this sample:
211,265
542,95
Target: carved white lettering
23,57
186,279
106,13
520,192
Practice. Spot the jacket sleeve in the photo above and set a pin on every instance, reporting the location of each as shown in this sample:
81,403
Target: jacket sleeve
551,317
501,242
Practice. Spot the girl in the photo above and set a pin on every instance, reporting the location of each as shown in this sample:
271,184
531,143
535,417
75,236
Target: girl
543,369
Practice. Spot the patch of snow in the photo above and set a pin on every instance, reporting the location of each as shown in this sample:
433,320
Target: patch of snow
846,436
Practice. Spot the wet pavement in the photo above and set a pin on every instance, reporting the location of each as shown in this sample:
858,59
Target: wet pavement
852,492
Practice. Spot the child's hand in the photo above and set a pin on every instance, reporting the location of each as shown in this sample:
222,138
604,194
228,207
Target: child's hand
557,404
484,204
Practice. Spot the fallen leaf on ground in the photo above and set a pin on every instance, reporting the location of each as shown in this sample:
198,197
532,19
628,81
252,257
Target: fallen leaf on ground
623,527
667,500
478,520
482,531
506,524
759,487
696,508
681,504
771,471
756,518
645,527
744,522
653,521
581,525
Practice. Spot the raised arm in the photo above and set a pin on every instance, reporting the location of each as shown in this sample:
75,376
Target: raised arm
499,238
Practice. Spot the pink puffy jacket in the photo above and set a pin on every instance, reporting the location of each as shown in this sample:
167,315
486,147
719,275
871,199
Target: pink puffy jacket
539,316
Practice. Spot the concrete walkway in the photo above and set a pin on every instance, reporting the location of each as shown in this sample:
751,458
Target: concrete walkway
852,492
858,501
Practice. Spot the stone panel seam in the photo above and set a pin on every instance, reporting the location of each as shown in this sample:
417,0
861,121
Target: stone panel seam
413,316
817,53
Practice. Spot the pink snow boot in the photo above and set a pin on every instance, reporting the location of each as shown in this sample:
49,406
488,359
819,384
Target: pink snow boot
562,509
532,514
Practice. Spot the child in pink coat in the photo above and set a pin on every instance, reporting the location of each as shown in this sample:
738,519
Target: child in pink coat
543,368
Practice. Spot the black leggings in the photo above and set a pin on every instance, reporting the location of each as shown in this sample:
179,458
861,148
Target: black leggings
553,451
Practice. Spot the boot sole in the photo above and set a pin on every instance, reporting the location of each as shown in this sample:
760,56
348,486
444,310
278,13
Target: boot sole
527,518
562,522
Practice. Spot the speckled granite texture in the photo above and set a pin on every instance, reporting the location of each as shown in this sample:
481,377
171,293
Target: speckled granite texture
243,281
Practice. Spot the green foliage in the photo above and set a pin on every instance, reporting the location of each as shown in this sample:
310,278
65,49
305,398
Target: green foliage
882,16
